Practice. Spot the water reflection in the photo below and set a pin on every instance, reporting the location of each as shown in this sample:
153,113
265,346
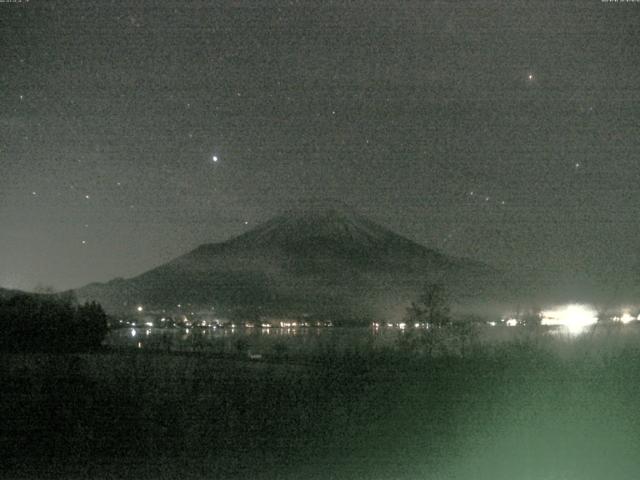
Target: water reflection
240,338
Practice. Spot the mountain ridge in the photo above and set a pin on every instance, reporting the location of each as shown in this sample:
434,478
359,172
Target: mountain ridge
321,260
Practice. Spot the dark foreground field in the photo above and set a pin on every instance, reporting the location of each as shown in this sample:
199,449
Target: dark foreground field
515,411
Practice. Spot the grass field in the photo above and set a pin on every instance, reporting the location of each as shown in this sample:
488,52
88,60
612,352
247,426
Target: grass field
532,407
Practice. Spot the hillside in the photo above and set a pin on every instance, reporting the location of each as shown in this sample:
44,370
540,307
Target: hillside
323,260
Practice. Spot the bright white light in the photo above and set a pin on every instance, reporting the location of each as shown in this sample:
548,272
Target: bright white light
492,324
139,308
402,325
626,318
133,332
511,322
214,158
574,318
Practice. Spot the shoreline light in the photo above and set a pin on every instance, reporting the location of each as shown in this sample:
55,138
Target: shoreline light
626,318
574,318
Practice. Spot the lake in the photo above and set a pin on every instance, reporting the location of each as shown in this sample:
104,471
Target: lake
252,340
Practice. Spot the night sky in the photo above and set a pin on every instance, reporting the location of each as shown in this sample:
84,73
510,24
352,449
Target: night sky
133,131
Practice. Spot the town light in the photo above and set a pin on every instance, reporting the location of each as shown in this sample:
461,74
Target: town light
574,318
626,318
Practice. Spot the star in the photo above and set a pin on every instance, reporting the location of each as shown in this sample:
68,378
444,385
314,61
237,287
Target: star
214,159
21,97
87,197
578,165
84,242
530,76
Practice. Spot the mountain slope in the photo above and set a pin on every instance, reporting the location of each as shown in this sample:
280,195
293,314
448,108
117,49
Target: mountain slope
324,260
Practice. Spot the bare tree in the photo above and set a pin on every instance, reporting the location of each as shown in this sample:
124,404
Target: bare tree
432,310
432,307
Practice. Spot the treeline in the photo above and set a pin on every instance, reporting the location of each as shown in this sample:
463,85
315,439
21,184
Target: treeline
50,323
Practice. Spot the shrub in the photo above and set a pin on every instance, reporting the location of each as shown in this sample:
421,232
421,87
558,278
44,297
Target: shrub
50,323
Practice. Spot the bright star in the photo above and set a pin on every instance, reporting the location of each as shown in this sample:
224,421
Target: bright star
214,158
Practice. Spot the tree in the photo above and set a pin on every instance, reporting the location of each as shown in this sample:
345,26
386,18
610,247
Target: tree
32,322
467,330
432,307
91,325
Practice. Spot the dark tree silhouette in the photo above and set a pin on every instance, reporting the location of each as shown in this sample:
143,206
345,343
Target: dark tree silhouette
32,322
90,325
433,310
432,307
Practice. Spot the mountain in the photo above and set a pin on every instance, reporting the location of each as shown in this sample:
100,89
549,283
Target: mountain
322,259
